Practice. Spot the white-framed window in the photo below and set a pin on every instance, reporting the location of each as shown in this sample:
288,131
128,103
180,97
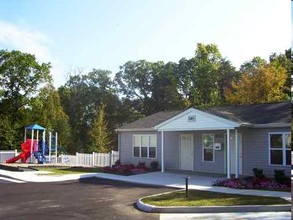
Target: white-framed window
208,153
145,146
280,148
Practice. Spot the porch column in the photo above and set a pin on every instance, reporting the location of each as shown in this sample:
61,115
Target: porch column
162,152
228,154
236,154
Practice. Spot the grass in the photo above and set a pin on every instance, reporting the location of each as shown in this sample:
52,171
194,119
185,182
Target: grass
205,198
69,170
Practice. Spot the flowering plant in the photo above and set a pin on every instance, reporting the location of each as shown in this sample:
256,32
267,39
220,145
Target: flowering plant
126,169
252,183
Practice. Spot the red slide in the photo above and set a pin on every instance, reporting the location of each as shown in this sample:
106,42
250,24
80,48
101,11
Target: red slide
26,151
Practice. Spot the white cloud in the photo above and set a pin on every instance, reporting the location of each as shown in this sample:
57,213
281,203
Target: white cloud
31,41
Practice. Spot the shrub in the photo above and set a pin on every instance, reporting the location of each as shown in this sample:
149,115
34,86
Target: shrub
280,177
141,165
118,162
258,173
155,165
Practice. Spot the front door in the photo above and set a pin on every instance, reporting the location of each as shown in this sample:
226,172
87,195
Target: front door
233,155
186,152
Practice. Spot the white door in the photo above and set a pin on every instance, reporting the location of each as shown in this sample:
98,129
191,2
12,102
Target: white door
233,155
186,152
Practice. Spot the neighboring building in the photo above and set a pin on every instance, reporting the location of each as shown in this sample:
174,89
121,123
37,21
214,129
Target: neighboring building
197,140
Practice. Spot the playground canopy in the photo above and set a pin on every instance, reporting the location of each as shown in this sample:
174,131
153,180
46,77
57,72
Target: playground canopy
35,127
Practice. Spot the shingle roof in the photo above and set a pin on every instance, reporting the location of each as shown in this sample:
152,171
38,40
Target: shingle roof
244,114
255,113
150,121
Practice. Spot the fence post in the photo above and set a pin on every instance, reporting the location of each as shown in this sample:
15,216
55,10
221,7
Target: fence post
93,159
15,152
110,158
77,161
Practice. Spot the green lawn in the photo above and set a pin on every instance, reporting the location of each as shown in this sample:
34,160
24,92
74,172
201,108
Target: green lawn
69,170
205,198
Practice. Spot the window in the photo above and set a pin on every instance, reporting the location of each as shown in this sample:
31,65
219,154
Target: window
279,148
208,147
145,146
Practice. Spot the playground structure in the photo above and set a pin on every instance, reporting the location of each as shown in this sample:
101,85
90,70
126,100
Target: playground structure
43,151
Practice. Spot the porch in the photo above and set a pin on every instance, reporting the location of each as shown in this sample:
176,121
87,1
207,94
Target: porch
205,143
210,152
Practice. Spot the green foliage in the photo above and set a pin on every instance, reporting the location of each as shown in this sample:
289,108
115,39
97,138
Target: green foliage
81,97
155,165
153,85
281,177
258,173
20,78
99,133
8,135
203,78
47,111
260,82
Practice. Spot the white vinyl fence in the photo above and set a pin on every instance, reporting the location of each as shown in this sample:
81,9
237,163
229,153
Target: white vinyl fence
93,159
79,159
7,154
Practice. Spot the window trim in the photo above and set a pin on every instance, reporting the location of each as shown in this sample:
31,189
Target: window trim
148,146
283,149
203,148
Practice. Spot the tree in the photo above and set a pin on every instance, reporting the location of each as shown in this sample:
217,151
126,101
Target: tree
81,97
203,78
262,84
165,89
48,111
8,135
134,80
284,60
99,134
253,64
20,78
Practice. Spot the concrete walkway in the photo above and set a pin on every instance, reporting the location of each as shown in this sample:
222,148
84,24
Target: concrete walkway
154,178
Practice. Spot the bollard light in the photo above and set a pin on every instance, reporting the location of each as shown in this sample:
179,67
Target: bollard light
186,186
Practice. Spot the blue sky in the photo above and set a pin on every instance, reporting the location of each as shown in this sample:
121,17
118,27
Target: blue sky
104,34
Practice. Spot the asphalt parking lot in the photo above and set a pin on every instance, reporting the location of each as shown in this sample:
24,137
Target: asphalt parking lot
91,198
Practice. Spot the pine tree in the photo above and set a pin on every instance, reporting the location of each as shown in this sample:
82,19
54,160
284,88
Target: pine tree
98,133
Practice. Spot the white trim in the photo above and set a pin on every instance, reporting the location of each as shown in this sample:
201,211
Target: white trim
202,151
272,125
236,154
228,154
199,129
162,152
229,123
283,149
135,129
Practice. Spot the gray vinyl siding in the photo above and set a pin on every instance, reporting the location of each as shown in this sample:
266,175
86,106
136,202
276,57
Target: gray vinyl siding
171,150
126,148
218,166
172,153
256,151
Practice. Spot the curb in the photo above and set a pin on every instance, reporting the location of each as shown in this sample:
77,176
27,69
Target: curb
210,209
